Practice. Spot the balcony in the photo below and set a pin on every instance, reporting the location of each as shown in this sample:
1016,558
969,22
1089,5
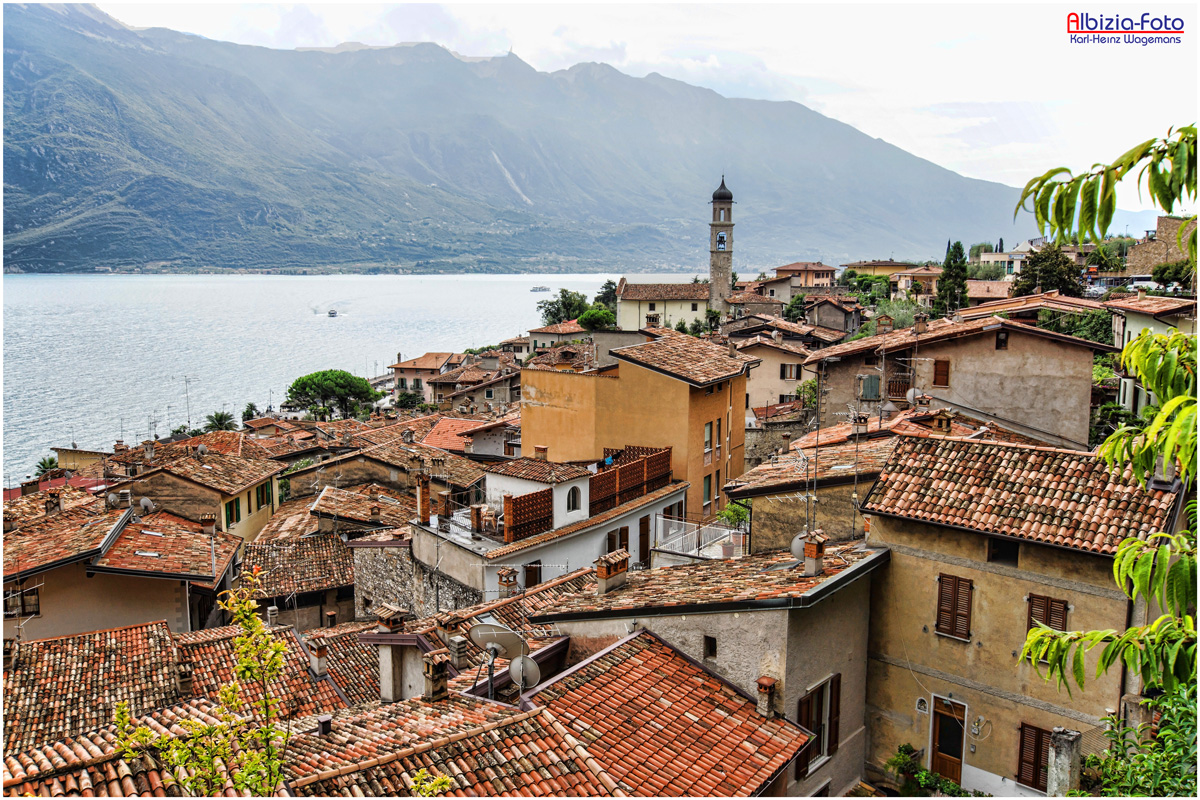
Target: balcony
702,540
897,387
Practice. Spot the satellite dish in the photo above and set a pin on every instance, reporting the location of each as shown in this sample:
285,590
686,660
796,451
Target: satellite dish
201,449
524,672
911,395
498,640
112,499
146,504
798,545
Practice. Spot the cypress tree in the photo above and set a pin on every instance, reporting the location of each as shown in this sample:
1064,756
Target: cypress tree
952,286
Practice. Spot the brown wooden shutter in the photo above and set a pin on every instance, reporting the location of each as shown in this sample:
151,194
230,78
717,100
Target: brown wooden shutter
1033,757
625,537
835,710
941,373
612,542
1058,615
1037,611
962,610
945,607
804,714
533,574
782,371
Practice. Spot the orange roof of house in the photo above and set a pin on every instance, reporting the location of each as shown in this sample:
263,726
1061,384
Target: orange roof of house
741,298
427,361
67,536
642,700
1044,494
445,434
1052,300
804,266
30,508
353,506
536,469
662,291
570,326
309,564
227,474
163,548
1153,305
687,358
292,519
990,290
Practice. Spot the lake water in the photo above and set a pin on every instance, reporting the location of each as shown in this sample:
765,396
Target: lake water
93,359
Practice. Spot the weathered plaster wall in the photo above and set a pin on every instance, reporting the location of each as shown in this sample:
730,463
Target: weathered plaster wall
389,575
761,442
776,519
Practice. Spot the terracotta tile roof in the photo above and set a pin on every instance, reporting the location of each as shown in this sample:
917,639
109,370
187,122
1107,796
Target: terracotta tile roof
513,419
1051,301
653,719
879,263
561,328
1154,306
68,536
915,421
155,547
213,657
313,563
767,341
354,506
458,471
687,358
418,425
657,332
266,422
342,428
427,361
777,410
741,298
736,580
575,527
514,376
1043,494
445,434
520,754
804,266
90,764
30,508
468,374
534,469
792,471
942,329
229,475
662,291
382,729
988,290
61,687
226,443
292,519
799,329
579,356
921,272
352,664
516,340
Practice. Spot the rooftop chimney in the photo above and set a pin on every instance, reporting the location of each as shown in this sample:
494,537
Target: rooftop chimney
766,696
436,662
884,324
148,449
859,424
29,487
1141,293
208,524
477,510
458,652
272,615
126,498
119,447
787,442
920,323
814,553
423,499
612,571
507,577
10,521
732,349
330,619
375,514
184,679
777,335
391,618
540,451
923,400
406,436
324,725
318,660
54,502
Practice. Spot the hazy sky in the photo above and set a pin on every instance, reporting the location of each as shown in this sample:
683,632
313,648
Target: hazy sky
988,90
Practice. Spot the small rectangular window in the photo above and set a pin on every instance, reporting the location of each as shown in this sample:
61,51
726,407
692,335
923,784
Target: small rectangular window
1001,340
652,308
1033,757
871,361
233,512
954,606
1048,611
868,387
708,437
488,394
941,373
533,574
1003,551
22,602
707,489
695,306
819,711
710,647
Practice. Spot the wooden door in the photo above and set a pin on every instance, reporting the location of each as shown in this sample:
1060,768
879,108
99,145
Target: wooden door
948,730
644,540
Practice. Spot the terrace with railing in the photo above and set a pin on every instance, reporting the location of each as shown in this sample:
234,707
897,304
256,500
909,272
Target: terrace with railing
699,539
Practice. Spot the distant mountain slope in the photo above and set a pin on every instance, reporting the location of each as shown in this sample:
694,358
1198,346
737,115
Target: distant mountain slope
126,147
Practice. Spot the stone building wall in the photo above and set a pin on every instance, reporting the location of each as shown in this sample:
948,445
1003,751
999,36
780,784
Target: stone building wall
391,575
761,442
1143,258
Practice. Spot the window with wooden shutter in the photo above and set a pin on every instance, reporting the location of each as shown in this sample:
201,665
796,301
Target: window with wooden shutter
533,574
941,373
869,387
954,606
804,718
835,710
624,538
1033,757
1048,611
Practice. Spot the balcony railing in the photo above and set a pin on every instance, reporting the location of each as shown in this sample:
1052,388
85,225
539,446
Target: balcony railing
705,540
897,388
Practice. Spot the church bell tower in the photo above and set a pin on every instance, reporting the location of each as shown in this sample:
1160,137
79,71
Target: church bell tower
720,259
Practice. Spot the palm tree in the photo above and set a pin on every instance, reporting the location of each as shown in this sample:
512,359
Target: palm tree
219,421
250,412
45,465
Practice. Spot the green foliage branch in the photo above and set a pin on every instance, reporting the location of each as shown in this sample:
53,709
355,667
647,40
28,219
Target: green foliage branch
44,465
247,751
566,306
332,387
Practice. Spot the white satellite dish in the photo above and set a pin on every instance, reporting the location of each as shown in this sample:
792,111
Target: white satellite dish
498,640
112,499
911,395
146,504
798,545
524,672
201,449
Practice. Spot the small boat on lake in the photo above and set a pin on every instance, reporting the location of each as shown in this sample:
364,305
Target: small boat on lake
540,289
332,313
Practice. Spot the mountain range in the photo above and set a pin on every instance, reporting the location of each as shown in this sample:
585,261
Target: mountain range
127,148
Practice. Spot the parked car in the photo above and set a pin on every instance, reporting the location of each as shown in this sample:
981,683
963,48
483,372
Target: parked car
1143,282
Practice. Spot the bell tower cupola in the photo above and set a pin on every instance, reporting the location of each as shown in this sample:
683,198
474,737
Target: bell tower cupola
720,259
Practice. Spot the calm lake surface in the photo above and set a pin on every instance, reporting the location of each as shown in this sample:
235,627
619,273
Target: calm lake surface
93,359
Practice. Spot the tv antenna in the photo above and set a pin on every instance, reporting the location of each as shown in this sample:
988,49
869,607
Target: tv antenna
497,640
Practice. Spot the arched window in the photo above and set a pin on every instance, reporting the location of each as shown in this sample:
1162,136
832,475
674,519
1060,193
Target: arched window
573,498
721,241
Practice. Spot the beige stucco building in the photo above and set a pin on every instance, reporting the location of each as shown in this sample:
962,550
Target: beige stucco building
781,372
